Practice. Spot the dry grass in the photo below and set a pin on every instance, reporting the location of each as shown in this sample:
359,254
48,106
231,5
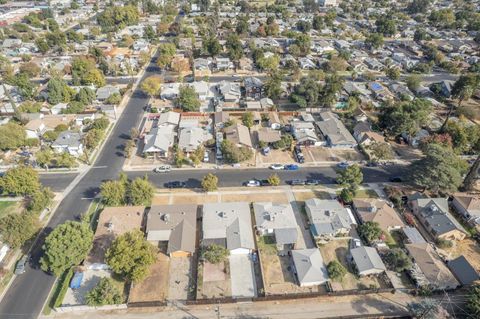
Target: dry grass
467,248
212,288
256,197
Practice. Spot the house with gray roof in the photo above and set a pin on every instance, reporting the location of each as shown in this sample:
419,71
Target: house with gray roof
69,142
228,225
229,91
434,215
276,220
192,137
367,261
463,271
467,205
159,141
412,235
328,218
310,269
175,224
169,118
335,132
105,92
239,135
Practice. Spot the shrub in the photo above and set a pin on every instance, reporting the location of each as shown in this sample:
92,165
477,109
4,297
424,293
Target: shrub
215,254
336,271
105,293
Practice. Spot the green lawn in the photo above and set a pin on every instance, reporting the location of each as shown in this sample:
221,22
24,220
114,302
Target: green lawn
6,207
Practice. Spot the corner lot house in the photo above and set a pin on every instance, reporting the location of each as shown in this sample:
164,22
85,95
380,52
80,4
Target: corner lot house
228,225
434,215
309,267
367,261
69,142
467,205
112,222
159,141
276,220
429,269
175,224
328,218
379,211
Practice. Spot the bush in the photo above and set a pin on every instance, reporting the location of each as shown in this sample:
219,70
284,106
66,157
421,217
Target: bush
398,260
105,293
346,195
233,154
336,271
39,200
61,288
215,254
210,183
444,243
274,180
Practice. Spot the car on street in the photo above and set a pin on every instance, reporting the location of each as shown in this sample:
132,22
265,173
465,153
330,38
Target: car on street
206,157
294,182
396,179
312,182
343,165
176,184
276,166
20,267
252,183
265,182
291,167
162,169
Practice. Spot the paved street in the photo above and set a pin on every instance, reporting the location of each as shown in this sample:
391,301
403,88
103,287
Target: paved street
29,291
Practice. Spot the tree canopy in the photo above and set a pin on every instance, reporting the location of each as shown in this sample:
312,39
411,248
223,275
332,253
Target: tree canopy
152,85
104,293
12,136
117,17
188,99
370,231
66,246
210,182
405,117
21,180
215,254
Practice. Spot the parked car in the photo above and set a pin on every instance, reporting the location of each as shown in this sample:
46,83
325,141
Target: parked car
312,182
206,158
252,183
291,167
277,166
343,165
162,169
20,267
176,184
396,179
264,182
355,243
294,182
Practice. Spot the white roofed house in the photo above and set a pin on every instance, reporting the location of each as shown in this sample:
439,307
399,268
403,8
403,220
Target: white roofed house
230,91
276,220
310,269
158,141
304,133
367,261
69,142
191,138
169,118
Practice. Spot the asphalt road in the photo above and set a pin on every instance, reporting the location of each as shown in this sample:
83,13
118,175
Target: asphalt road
29,291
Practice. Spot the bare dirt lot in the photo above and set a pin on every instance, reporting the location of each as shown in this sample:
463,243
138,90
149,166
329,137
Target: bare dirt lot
155,286
324,154
338,250
215,281
468,248
275,156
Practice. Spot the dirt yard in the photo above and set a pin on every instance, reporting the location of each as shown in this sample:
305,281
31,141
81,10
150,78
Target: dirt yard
275,156
215,281
338,250
155,286
467,248
179,278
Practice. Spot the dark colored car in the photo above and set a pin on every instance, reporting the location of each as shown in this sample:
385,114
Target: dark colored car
176,184
396,179
294,182
298,155
20,267
265,182
312,182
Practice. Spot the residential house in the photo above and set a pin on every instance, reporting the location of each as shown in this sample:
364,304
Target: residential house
158,141
58,108
378,211
365,136
307,64
276,220
105,92
239,135
446,88
412,235
169,119
191,138
327,3
328,218
223,64
274,121
175,224
69,142
268,135
228,225
367,261
253,88
309,267
229,91
373,64
434,215
202,89
220,119
170,91
428,269
35,128
202,67
416,139
463,271
304,133
112,222
335,132
468,206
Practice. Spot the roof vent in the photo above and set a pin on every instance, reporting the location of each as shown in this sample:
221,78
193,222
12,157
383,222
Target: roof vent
110,226
166,218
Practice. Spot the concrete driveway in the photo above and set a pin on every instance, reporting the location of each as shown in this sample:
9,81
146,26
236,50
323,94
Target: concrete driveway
179,278
242,276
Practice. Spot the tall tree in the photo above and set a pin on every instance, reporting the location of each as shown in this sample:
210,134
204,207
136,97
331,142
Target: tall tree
140,191
152,85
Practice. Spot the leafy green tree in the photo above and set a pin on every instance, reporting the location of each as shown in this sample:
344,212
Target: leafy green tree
336,270
233,154
374,40
398,260
210,183
405,117
247,119
12,136
59,91
114,99
131,256
370,231
118,17
393,73
268,64
215,254
42,45
350,177
413,82
381,151
56,39
31,69
140,191
67,245
273,85
65,160
347,195
25,87
85,96
306,93
152,85
274,180
303,42
104,293
39,200
465,86
16,229
443,18
188,99
386,26
473,300
234,47
439,170
317,23
418,6
21,180
212,46
166,53
113,193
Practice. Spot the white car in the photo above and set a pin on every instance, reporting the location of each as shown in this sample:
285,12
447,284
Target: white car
206,158
252,183
276,167
162,169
